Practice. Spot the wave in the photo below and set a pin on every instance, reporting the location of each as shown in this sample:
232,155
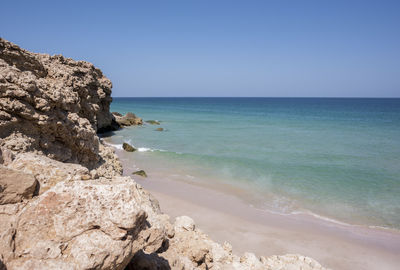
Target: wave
281,205
116,146
139,149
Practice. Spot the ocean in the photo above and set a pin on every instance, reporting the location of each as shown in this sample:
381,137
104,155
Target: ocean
336,158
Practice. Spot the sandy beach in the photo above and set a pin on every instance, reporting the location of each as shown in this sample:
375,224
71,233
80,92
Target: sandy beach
227,218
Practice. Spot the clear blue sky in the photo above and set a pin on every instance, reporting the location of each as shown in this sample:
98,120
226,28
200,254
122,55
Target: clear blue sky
221,48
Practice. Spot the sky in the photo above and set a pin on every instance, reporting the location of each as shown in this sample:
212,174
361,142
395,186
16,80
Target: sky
276,48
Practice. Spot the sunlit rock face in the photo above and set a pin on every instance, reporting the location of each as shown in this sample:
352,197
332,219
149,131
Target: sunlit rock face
52,104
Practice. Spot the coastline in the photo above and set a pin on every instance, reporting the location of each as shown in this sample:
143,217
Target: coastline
64,203
336,245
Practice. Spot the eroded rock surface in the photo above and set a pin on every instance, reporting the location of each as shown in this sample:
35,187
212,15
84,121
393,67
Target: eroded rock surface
129,119
15,186
86,224
52,104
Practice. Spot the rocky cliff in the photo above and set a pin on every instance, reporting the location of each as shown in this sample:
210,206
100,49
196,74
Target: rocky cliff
52,105
63,201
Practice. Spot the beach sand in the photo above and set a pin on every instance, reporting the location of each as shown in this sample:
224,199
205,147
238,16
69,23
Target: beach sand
227,218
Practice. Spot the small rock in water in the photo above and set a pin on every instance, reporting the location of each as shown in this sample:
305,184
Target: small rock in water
140,173
129,119
127,147
159,129
153,122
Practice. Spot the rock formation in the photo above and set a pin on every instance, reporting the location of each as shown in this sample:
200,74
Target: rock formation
153,122
16,186
142,173
52,105
129,119
128,148
63,201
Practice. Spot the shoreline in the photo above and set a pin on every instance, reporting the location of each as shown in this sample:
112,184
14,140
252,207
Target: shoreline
264,201
335,244
64,203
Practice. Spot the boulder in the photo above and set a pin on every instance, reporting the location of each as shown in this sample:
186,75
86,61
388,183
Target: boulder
127,147
129,119
140,173
184,223
47,171
16,186
159,129
82,225
153,122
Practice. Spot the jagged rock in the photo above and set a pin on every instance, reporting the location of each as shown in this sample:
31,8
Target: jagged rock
127,147
291,262
129,119
184,223
7,156
82,225
140,173
250,261
15,186
47,171
52,104
153,122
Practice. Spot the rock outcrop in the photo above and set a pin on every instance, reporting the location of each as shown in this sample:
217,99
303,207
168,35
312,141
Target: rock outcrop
52,105
128,148
63,201
153,122
141,173
129,119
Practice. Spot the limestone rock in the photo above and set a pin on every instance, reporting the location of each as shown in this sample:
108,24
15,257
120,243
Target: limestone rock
127,147
47,171
250,261
292,262
15,186
116,114
141,173
81,225
129,119
153,122
184,223
52,104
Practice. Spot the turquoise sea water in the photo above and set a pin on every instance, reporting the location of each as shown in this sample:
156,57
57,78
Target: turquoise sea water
338,158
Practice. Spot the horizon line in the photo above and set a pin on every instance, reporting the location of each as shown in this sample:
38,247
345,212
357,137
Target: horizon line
247,97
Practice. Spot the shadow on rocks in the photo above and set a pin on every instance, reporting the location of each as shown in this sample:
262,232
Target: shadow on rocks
2,266
143,261
106,134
